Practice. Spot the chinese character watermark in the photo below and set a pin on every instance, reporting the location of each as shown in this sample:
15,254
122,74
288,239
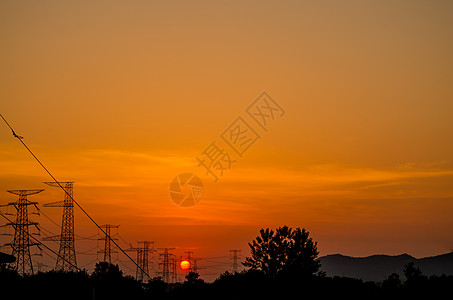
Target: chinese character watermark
215,160
240,136
187,189
264,110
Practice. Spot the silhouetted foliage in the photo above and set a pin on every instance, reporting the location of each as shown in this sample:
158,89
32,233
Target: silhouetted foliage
193,278
413,274
392,282
284,252
109,283
107,271
155,288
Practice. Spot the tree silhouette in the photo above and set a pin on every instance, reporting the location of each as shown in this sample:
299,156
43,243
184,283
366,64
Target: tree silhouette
414,276
411,272
284,252
107,271
109,283
392,282
193,278
156,287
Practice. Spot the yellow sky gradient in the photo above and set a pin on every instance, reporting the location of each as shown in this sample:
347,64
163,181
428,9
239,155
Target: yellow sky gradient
123,96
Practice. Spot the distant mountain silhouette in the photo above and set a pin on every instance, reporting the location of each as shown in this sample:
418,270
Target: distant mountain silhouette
379,267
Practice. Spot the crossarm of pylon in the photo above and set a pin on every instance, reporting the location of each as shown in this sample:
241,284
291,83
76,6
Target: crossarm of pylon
54,204
132,249
55,184
25,192
15,203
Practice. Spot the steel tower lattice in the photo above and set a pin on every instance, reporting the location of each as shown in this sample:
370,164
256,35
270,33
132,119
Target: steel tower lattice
66,260
21,243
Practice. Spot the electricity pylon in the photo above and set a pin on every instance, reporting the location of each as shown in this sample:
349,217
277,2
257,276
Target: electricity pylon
234,259
190,260
173,264
195,266
145,251
168,265
66,260
189,256
193,262
142,259
107,242
21,243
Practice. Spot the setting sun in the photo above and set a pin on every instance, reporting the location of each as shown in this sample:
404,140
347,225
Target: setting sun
185,265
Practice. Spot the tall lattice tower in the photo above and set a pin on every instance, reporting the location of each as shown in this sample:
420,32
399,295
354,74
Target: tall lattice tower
108,249
66,260
168,274
234,257
144,262
143,254
21,243
194,267
173,274
189,258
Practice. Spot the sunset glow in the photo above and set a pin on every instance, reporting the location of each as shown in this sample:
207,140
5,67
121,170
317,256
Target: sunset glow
123,99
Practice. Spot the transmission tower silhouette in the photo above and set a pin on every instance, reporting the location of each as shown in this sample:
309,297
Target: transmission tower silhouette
108,249
194,265
168,265
192,260
66,260
21,243
142,259
189,259
173,274
234,258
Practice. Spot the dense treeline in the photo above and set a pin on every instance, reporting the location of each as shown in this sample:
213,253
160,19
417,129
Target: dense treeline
282,265
108,282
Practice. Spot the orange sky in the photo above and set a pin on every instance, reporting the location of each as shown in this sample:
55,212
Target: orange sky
121,97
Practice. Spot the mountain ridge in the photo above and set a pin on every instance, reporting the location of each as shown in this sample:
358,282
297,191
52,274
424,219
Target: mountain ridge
378,267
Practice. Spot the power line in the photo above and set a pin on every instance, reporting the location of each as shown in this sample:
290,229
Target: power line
79,237
48,218
52,233
20,138
87,251
126,242
89,263
48,237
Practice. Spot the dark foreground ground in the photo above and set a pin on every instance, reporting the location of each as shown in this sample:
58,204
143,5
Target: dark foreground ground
245,285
